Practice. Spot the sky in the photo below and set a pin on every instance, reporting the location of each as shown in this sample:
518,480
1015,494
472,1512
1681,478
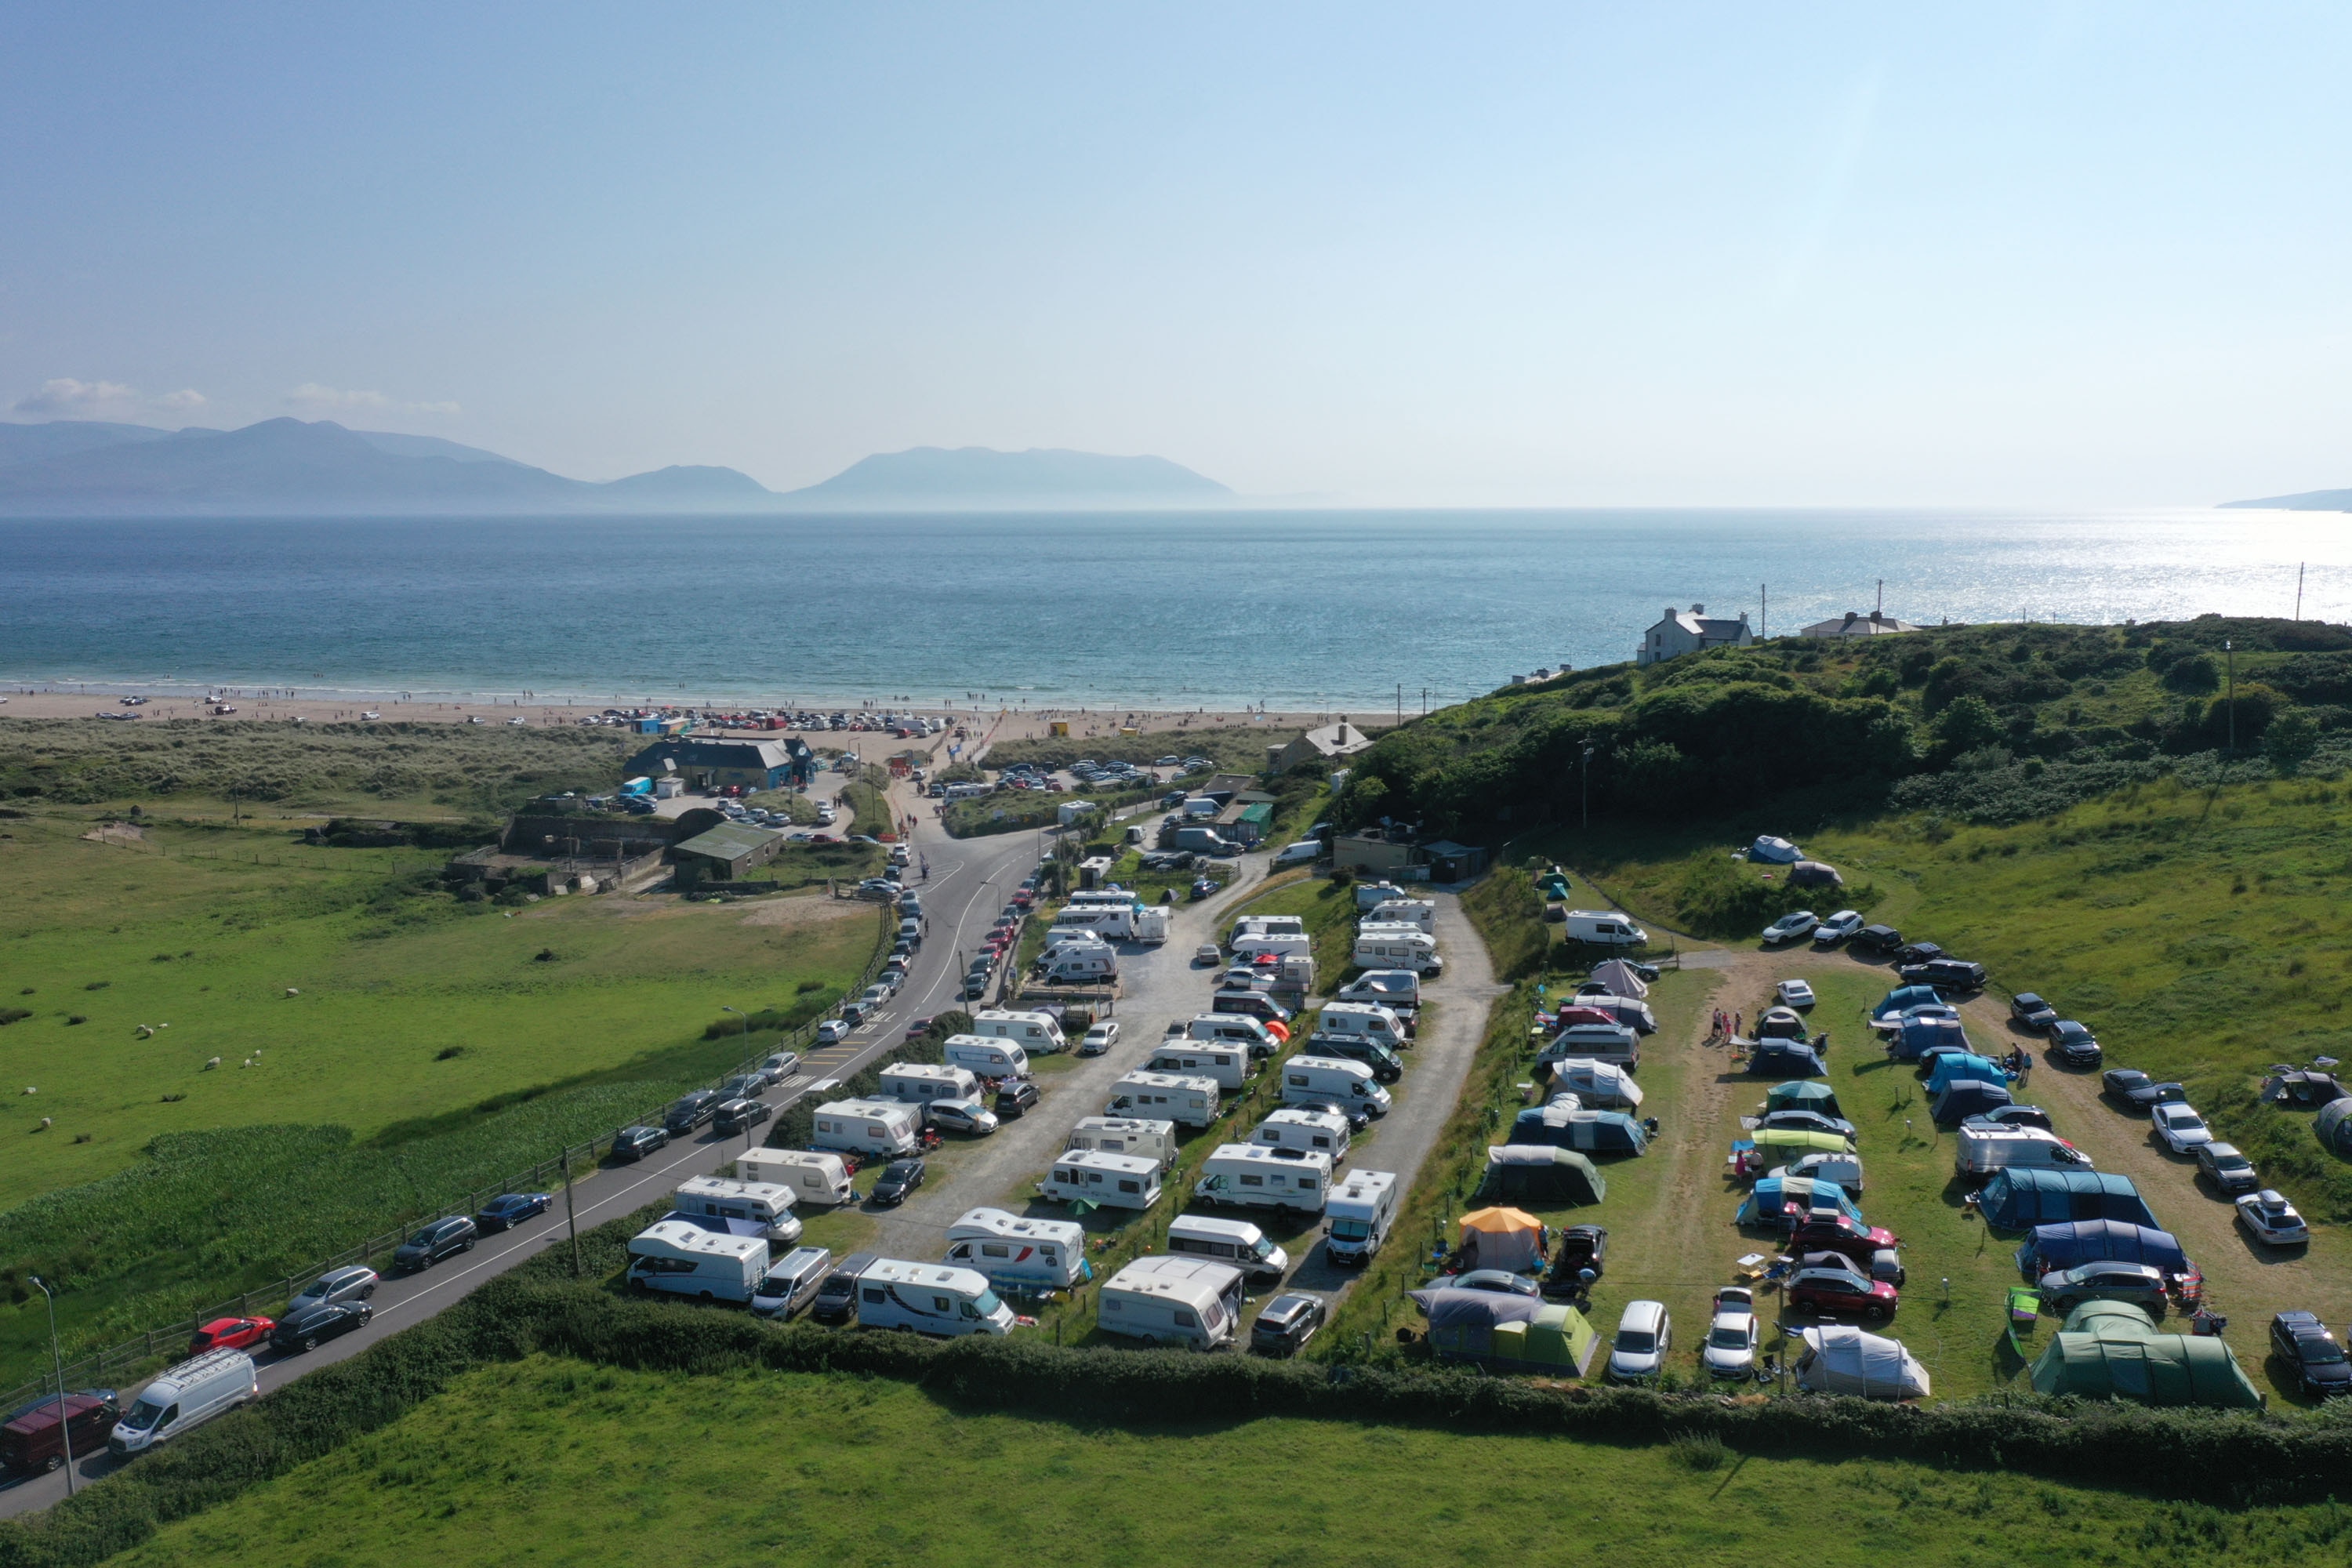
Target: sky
1551,255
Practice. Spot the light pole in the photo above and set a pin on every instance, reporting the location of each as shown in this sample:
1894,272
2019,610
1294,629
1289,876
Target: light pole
64,1417
1586,790
2228,652
747,1024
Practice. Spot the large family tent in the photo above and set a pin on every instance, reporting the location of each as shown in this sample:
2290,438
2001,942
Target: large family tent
1621,978
2334,1126
1966,1099
1902,999
1797,1095
1784,1058
1508,1333
1594,1131
1788,1142
1769,1204
1596,1083
1502,1238
1915,1037
2111,1349
1774,851
1847,1361
2099,1241
2022,1200
1951,1069
1542,1174
1814,874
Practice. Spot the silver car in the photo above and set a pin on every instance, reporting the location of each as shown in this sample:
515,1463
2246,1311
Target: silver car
335,1286
1731,1341
1645,1334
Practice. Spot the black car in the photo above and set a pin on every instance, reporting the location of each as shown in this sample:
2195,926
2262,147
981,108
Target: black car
2031,1011
1944,974
2139,1090
1359,1118
1875,938
2012,1116
744,1086
1288,1322
508,1210
735,1115
899,1178
2303,1341
691,1110
2230,1170
442,1238
836,1299
1015,1099
1917,952
307,1329
1581,1246
636,1143
2073,1045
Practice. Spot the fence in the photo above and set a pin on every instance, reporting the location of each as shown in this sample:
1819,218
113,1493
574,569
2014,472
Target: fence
168,1343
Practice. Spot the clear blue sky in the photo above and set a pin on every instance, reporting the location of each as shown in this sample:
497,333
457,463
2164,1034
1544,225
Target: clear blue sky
1704,254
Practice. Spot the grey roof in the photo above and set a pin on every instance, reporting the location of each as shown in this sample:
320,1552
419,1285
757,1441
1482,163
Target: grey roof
731,842
688,752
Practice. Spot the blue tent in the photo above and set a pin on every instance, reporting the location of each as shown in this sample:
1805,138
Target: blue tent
1785,1058
1949,1070
1965,1097
1766,1206
1893,1003
2098,1241
1918,1037
1593,1132
2023,1200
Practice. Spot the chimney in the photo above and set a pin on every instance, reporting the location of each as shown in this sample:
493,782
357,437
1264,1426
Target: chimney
1698,609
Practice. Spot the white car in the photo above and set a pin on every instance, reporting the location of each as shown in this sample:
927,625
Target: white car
962,1116
1645,1334
1790,927
1100,1039
1793,994
1731,1341
833,1031
780,1066
2272,1219
1207,953
2180,1127
1837,928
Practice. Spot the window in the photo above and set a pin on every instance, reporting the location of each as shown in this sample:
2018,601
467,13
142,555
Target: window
994,1249
1252,1181
1185,1320
1111,1304
942,1304
875,1294
1129,1184
1305,1184
1094,1178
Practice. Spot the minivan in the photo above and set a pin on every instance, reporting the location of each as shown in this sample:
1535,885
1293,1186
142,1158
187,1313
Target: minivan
837,1298
792,1282
1645,1336
1230,1241
33,1441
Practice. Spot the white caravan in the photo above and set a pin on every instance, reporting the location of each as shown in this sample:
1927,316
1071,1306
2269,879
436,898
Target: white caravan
1126,1135
1397,947
1112,922
814,1177
1252,1175
1267,925
1017,1253
1226,1065
1159,1096
1420,912
185,1396
1333,1078
1188,1301
684,1259
763,1209
1152,923
1321,1132
1109,1181
1078,964
1360,1213
1039,1034
986,1058
919,1083
930,1298
1281,944
866,1126
1368,1020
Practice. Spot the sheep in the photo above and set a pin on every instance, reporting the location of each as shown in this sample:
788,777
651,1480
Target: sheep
211,1064
44,1124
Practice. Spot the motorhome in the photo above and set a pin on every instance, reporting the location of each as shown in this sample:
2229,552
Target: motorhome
1039,1034
1281,944
1126,1135
1226,1063
1604,927
1235,1243
1980,1153
814,1177
1394,989
1417,912
1078,964
1368,1019
919,1083
184,1397
986,1058
1611,1043
866,1126
1397,947
1258,1176
1265,925
684,1259
1106,898
1107,1181
763,1209
1188,1102
1360,1213
1307,1132
1372,895
1020,1254
1386,1064
930,1298
1152,923
1113,922
1250,1004
1333,1078
1232,1028
1190,1301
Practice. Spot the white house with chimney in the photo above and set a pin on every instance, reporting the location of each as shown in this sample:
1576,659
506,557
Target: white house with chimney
1855,624
1679,632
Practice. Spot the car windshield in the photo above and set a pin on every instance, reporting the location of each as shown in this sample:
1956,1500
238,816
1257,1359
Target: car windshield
143,1416
1728,1338
2321,1353
1351,1229
1636,1342
986,1304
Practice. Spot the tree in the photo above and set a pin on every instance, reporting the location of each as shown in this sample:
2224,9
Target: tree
2290,739
1967,724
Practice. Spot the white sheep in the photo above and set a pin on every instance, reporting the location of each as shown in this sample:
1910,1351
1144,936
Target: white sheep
30,1089
44,1124
292,992
212,1064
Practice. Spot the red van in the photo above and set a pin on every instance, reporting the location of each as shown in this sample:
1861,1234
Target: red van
31,1441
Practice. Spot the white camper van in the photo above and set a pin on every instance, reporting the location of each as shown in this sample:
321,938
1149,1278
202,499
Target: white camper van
919,1083
1320,1132
1981,1153
814,1177
1254,1175
1392,988
1190,1301
1234,1242
1397,947
1232,1028
1420,912
1360,1212
1605,928
1333,1078
185,1396
1016,1253
1152,923
1112,922
930,1298
1281,944
684,1259
1078,964
866,1126
985,1058
1110,1181
1039,1034
1226,1065
763,1209
1126,1135
1188,1102
1267,925
1367,1019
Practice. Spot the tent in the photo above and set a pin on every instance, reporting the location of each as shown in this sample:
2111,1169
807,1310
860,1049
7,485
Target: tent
1596,1082
1918,1037
2110,1350
2026,1200
1621,979
1965,1100
2065,1244
1543,1175
1774,851
1895,1003
1501,1238
1793,1058
1768,1203
1507,1334
1952,1069
1814,874
1788,1143
1554,884
2334,1126
1798,1096
1595,1132
1847,1361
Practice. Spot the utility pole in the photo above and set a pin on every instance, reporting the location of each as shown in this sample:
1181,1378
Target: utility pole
1424,690
65,1422
571,1216
2298,589
2228,652
1400,702
1763,609
1586,802
1881,596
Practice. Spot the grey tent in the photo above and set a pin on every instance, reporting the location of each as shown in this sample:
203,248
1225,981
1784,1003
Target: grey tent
1847,1361
1621,979
1801,1095
2110,1350
1814,874
1594,1131
1918,1037
1540,1174
1784,1058
2334,1126
2022,1200
1774,851
2065,1244
1595,1082
1967,1099
1510,1332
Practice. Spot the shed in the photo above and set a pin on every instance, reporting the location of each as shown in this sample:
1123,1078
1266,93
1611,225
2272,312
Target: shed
1594,1131
1502,1238
1773,1058
2065,1244
724,854
1543,1175
2333,1126
1799,1095
2111,1349
1967,1098
1452,862
2022,1200
1847,1361
1508,1333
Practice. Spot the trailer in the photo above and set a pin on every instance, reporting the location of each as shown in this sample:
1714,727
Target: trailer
1020,1254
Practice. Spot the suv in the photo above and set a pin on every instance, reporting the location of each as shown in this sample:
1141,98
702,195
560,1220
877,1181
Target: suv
1875,939
1944,974
353,1284
690,1112
2032,1011
2073,1045
2227,1169
2138,1283
442,1238
836,1299
636,1143
1014,1101
1645,1335
2303,1341
740,1115
1286,1322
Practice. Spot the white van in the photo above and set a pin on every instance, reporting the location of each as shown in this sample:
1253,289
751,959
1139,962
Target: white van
684,1259
763,1209
1188,1102
1607,928
1361,1210
919,1083
185,1396
1267,925
1112,922
1190,1302
1039,1034
814,1177
1372,895
1232,1028
1420,912
866,1126
1078,964
930,1298
1281,944
1397,947
1333,1078
1152,923
1392,988
1254,1175
1368,1020
1234,1242
1320,1132
1227,1065
1126,1135
1981,1153
1110,1181
986,1058
1016,1253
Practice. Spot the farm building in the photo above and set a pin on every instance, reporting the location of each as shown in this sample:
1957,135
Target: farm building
725,854
1679,632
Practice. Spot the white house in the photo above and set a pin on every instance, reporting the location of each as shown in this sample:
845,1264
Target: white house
1855,624
1679,632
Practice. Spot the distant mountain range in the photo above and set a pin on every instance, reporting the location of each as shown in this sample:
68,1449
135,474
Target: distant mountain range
2309,500
285,467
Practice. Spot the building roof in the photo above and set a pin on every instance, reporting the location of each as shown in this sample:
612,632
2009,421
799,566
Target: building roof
1260,812
731,842
1339,740
1699,624
1855,624
692,752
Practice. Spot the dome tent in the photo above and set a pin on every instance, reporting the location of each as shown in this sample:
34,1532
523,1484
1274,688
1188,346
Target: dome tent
1501,1238
1846,1361
1915,1037
1508,1333
2111,1349
2334,1126
1798,1095
1790,1142
1794,1059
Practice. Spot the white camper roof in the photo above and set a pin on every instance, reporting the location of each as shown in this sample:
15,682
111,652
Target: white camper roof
897,1271
774,1193
1363,1186
926,1069
753,1159
1291,1116
1190,1280
1123,1124
1341,1065
675,1238
880,1110
1169,1081
978,1224
1266,1155
1007,1016
1096,1159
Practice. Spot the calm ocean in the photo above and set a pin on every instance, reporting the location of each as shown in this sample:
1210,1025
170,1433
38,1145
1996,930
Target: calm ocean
1301,611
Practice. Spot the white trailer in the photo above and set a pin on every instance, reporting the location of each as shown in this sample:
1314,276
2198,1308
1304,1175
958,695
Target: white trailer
1281,944
1320,1132
1333,1078
1039,1034
763,1209
1360,1213
1397,947
1420,912
868,1126
684,1259
1267,925
1225,1064
1126,1135
1367,1020
1190,1302
930,1298
1112,922
1078,964
1254,1175
919,1083
1152,923
1109,1181
1188,1102
1017,1253
814,1177
985,1058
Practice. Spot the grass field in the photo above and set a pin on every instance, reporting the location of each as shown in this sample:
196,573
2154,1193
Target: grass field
548,1461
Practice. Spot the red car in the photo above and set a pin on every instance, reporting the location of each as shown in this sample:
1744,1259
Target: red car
230,1334
1835,1232
917,1027
1841,1292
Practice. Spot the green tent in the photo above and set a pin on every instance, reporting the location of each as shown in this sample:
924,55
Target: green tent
1540,1174
1790,1141
2110,1350
1507,1332
1798,1095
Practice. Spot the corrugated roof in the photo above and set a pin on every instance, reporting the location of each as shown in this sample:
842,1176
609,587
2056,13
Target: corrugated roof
1260,815
731,842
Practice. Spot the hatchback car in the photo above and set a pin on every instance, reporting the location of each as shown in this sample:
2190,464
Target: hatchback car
1100,1039
2072,1045
1806,1121
1793,994
1645,1335
874,997
2226,1168
735,1116
1731,1341
779,1066
636,1143
508,1210
961,1116
1207,953
2269,1218
230,1334
1830,1292
1791,926
2311,1353
2179,1128
442,1238
313,1326
833,1031
1500,1281
2139,1090
1015,1099
898,1179
336,1285
1286,1322
1358,1117
2142,1286
2031,1011
1837,928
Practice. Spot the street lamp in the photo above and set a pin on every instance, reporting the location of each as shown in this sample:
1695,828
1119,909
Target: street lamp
64,1421
1586,792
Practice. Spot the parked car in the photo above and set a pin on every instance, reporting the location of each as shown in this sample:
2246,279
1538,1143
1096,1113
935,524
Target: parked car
1872,1249
2072,1045
1806,1121
511,1209
1645,1335
230,1334
744,1086
2013,1116
2227,1169
734,1116
961,1116
1581,1246
31,1440
1837,928
2179,1126
898,1179
1286,1322
1731,1341
688,1111
2139,1090
636,1143
355,1283
1875,939
779,1066
2271,1220
1841,1291
1793,994
2031,1011
833,1031
1501,1281
1944,974
1791,926
442,1238
2303,1344
1013,1099
1207,952
313,1326
2064,1290
1358,1117
1099,1038
1917,952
